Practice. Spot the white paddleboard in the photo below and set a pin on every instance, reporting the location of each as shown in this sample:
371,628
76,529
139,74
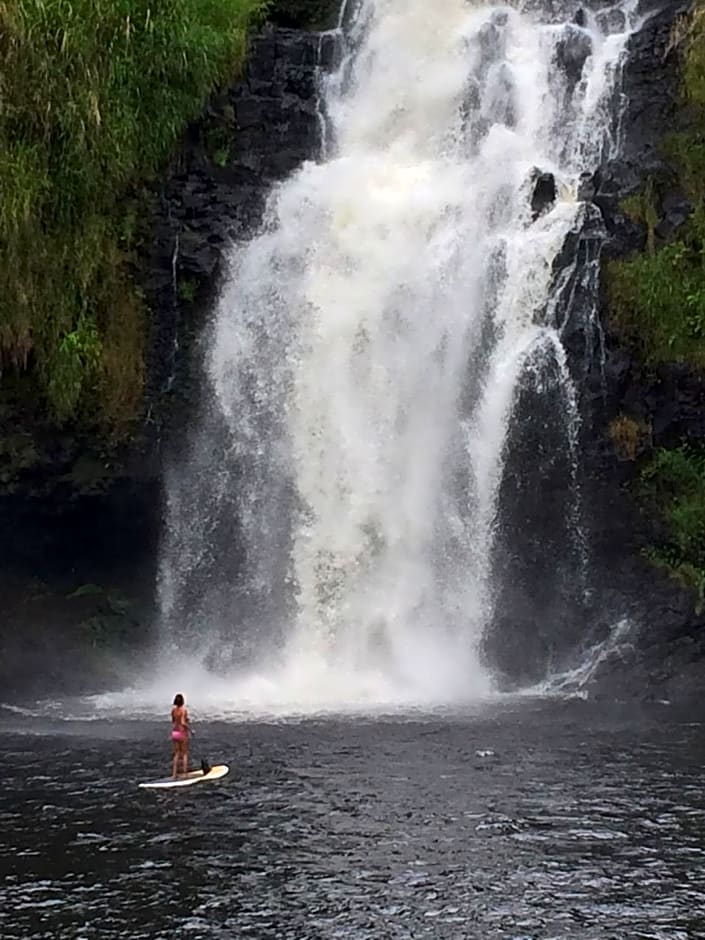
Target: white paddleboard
187,780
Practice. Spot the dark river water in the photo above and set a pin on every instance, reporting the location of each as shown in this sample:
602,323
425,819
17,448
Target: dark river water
529,819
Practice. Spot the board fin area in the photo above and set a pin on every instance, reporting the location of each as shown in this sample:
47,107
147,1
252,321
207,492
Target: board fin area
187,780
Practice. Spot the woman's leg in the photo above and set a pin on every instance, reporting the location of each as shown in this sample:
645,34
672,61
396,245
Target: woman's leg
175,761
184,755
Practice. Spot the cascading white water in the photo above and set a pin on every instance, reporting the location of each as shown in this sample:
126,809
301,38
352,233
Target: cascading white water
368,349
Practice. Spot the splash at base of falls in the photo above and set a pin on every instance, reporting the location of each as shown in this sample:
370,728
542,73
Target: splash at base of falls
306,688
303,685
575,682
303,689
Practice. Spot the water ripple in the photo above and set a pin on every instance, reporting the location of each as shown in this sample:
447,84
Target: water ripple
587,827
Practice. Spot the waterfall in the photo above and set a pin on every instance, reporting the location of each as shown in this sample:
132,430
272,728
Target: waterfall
330,526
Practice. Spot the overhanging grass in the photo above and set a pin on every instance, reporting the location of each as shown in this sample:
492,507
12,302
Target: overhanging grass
93,96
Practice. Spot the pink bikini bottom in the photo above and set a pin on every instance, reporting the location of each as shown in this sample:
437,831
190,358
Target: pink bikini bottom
179,736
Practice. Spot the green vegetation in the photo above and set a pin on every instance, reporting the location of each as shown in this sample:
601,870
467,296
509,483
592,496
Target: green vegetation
672,486
642,207
93,96
658,298
657,304
187,290
218,139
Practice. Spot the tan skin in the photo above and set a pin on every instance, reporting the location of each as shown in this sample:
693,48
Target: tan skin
179,720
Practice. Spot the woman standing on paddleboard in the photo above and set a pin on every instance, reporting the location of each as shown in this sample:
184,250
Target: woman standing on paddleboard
180,733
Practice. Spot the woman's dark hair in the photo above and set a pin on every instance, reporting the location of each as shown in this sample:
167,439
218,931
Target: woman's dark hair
178,700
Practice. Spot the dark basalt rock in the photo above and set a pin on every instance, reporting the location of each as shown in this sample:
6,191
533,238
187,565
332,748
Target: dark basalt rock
579,327
572,51
651,79
544,193
676,209
666,651
586,188
673,398
304,14
651,85
253,134
613,181
612,20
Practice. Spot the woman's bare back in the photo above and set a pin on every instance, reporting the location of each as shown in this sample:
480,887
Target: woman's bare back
179,718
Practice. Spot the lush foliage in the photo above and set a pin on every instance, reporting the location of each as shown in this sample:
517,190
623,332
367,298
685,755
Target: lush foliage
658,298
657,302
672,484
93,95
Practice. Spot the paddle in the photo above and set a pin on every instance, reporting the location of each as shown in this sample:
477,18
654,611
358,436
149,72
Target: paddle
205,765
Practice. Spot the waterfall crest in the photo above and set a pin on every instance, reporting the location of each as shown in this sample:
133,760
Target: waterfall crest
330,528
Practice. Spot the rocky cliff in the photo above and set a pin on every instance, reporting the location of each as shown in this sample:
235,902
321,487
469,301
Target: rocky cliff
81,516
664,657
83,520
574,569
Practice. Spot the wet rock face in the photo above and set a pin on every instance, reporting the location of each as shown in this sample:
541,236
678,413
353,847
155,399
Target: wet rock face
544,614
651,81
651,84
614,180
544,193
255,133
676,209
572,51
669,400
667,397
